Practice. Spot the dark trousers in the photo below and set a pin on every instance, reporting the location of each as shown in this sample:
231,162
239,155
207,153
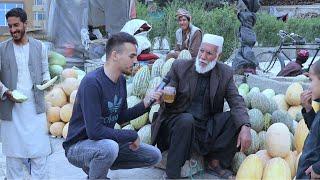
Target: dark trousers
180,136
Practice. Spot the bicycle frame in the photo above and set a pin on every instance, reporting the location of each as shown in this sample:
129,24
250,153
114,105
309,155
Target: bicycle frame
283,47
290,46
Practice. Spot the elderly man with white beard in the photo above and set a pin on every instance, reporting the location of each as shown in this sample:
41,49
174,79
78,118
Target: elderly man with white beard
195,121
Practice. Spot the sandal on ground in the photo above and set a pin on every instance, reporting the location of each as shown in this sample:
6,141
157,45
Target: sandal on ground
220,172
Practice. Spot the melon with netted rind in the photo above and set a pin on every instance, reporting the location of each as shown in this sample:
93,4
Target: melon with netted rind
243,89
261,102
237,160
254,147
269,93
256,119
282,117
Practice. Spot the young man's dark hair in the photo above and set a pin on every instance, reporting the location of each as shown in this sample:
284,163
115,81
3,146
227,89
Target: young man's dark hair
17,12
117,40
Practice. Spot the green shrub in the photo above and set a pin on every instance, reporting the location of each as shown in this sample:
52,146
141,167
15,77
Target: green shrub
268,26
308,28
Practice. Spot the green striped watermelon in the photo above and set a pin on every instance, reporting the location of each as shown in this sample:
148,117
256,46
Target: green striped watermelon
157,67
141,82
166,67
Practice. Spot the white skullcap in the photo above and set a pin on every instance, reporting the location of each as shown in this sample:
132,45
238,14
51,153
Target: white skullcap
214,40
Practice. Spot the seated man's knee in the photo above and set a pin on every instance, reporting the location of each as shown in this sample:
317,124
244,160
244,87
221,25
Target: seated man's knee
185,121
154,155
157,156
108,149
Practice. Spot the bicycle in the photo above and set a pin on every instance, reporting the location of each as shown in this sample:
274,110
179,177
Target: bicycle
268,59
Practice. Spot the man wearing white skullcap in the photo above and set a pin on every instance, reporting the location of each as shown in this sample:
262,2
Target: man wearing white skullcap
195,121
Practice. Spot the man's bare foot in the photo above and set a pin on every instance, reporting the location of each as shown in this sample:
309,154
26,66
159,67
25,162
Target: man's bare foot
215,169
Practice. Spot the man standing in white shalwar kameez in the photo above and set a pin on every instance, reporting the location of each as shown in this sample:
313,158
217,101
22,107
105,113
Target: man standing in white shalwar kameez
24,131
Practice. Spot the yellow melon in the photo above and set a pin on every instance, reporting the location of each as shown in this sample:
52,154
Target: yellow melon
281,102
48,105
66,112
300,136
72,97
53,114
69,85
69,73
65,130
316,106
277,168
293,94
251,168
278,141
264,156
56,97
56,128
291,160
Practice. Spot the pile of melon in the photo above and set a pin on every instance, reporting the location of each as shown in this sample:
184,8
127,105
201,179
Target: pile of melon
59,102
56,63
142,83
278,133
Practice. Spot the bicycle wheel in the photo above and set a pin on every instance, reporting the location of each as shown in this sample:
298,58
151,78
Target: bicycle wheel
269,62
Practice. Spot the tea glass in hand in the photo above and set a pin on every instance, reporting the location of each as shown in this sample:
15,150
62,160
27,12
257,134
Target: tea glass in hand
169,94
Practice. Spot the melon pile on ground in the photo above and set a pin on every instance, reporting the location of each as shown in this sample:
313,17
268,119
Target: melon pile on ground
57,63
143,82
60,100
278,133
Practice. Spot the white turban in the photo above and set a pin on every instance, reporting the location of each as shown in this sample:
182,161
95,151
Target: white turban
214,40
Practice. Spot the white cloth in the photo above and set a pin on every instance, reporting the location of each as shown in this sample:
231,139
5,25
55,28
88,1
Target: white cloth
214,40
133,26
26,136
20,168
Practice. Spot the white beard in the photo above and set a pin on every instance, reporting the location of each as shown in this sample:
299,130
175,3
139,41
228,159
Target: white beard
206,68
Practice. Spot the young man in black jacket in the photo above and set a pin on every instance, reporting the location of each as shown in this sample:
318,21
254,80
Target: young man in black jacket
92,142
309,162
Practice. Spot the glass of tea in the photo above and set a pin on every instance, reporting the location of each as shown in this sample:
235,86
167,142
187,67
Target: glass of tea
169,94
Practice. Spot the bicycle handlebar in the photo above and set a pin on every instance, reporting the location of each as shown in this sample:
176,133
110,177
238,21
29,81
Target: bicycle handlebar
283,34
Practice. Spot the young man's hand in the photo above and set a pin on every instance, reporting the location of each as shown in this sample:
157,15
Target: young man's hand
135,145
9,95
306,100
152,95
